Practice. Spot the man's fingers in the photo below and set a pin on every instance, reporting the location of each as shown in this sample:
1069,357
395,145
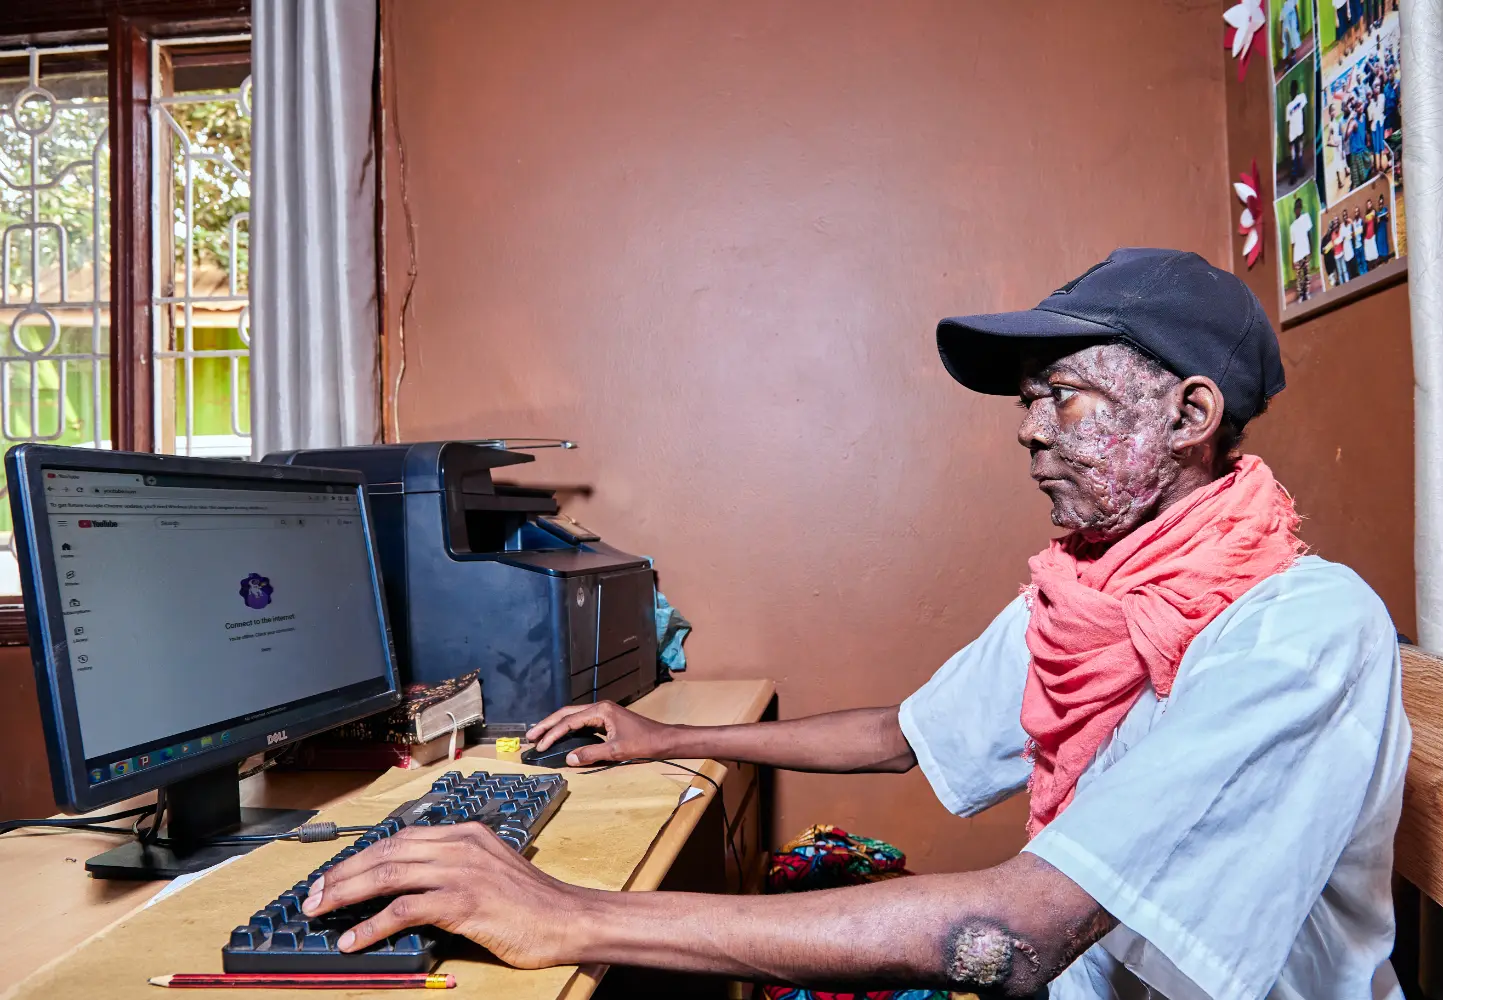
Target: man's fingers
553,719
404,912
326,893
584,756
388,878
578,720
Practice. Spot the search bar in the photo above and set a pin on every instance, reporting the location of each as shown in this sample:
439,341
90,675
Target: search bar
229,522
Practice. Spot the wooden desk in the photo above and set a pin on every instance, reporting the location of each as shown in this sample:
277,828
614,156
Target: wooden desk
52,905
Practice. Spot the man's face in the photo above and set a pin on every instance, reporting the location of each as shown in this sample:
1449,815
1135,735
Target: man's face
1099,426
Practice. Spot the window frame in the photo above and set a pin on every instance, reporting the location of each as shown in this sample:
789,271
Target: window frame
129,27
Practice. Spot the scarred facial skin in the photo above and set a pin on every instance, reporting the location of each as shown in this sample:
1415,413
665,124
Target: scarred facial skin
1114,438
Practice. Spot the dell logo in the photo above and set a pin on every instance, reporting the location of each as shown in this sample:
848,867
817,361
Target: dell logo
275,738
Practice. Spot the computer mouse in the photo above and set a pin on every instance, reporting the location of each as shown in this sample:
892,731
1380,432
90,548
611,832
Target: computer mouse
557,754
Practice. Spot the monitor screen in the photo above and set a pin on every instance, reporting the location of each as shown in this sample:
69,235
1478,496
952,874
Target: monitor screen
199,610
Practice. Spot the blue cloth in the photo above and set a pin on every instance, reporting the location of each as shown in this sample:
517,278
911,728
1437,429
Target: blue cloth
671,630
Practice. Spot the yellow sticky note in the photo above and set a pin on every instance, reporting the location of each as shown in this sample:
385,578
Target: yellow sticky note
508,744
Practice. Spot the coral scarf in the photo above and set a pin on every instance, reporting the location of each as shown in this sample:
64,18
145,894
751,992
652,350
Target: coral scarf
1106,619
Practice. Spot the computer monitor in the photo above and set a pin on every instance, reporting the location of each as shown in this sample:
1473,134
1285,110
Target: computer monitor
185,614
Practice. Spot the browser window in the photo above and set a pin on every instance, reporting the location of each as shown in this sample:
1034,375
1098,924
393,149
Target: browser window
194,606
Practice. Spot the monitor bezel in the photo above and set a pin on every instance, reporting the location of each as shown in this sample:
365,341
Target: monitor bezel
49,649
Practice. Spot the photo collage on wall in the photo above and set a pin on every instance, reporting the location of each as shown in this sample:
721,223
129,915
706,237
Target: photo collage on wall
1336,108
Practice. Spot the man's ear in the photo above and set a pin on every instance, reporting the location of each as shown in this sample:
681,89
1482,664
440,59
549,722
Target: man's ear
1199,408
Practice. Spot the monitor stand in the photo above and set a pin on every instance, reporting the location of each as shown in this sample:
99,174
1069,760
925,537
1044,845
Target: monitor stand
199,809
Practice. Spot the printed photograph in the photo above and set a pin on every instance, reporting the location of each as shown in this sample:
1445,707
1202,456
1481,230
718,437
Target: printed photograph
1296,134
1361,112
1358,235
1291,30
1301,268
1344,24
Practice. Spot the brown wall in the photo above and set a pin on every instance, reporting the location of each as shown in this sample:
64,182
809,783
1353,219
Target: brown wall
25,785
710,240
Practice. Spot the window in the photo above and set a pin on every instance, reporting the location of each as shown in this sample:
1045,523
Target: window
124,233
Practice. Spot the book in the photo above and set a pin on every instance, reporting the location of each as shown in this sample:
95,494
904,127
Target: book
427,711
332,754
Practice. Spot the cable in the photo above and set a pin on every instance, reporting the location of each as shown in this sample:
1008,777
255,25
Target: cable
81,822
307,833
160,810
734,848
268,761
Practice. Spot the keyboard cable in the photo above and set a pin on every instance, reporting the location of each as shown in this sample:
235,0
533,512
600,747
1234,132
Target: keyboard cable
734,849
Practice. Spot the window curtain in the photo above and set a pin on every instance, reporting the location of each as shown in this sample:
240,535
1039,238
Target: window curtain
314,319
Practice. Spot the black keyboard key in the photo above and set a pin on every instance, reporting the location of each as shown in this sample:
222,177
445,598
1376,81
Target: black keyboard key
408,943
320,941
289,936
246,938
263,922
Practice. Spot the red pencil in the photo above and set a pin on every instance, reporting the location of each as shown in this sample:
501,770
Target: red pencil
307,981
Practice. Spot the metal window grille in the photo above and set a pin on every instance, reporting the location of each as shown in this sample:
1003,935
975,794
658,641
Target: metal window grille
55,383
54,255
200,282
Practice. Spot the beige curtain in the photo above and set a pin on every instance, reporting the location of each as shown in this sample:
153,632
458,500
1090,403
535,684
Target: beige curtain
1422,158
314,323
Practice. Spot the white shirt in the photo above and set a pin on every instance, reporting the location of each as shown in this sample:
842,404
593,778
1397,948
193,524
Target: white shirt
1240,831
1294,117
1299,229
1347,232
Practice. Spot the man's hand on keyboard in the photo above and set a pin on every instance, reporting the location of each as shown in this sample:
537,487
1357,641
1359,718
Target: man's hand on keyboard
461,878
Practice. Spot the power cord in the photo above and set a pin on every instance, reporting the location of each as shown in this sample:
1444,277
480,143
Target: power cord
739,867
90,823
307,833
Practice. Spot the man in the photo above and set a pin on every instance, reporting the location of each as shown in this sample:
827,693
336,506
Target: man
1300,230
1295,128
1331,250
1347,268
1209,721
1291,33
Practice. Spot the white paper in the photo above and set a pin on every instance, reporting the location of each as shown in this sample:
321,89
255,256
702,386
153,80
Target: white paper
688,795
182,881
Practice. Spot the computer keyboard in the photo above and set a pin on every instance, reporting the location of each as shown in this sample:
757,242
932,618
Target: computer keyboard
280,938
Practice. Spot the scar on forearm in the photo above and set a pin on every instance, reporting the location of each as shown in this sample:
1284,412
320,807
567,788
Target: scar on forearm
982,953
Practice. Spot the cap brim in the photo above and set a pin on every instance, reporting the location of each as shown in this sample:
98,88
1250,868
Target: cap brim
986,353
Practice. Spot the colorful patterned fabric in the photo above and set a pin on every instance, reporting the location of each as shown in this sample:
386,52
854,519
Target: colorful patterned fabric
792,993
826,857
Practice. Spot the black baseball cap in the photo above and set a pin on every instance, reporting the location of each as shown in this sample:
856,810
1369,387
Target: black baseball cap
1192,317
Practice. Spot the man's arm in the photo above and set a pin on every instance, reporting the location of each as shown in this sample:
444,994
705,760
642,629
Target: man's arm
1005,931
860,739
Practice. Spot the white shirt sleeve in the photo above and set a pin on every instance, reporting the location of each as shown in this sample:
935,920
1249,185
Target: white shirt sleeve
964,725
1213,837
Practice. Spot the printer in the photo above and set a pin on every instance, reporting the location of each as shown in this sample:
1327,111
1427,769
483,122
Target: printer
488,577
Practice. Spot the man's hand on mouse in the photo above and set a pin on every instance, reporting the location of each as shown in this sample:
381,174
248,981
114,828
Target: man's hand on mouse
626,735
